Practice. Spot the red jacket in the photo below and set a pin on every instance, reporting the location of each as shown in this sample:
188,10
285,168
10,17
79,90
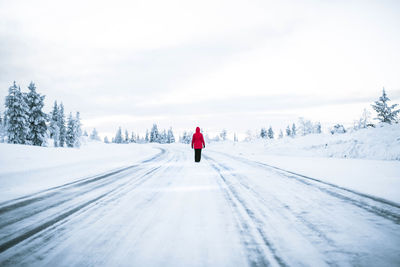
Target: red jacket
198,140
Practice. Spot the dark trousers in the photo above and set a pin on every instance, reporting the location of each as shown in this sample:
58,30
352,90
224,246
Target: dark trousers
197,155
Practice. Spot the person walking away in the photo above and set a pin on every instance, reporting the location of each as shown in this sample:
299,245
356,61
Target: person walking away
198,144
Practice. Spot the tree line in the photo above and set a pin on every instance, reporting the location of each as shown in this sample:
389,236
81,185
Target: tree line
24,121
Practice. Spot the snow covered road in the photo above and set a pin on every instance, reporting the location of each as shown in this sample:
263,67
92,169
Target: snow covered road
224,211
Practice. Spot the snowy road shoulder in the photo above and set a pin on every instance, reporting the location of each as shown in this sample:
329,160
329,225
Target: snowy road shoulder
28,169
379,178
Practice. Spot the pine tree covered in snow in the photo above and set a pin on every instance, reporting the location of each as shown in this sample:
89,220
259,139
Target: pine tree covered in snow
235,138
54,126
126,141
85,133
223,134
118,136
2,129
317,128
61,125
280,134
294,130
154,135
386,113
36,117
77,130
106,140
288,131
270,133
147,139
263,133
70,134
170,137
133,138
16,115
95,135
364,120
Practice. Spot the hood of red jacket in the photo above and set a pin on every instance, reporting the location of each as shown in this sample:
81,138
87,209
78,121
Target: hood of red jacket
197,129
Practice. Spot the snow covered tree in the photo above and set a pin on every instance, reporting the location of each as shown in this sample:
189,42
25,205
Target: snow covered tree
77,130
305,126
36,117
106,140
95,135
126,141
294,130
288,131
2,129
133,138
338,128
317,128
170,136
263,133
146,139
223,134
118,136
235,138
154,135
71,130
54,120
16,115
280,134
386,113
61,124
85,133
270,133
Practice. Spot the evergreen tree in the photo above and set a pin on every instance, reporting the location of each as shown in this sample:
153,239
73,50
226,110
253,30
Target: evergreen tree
54,121
61,124
106,140
146,139
263,133
154,135
16,115
270,133
363,122
95,135
385,112
118,136
36,117
2,129
235,138
171,137
294,130
77,130
223,134
126,137
85,133
280,134
71,130
317,128
288,131
133,138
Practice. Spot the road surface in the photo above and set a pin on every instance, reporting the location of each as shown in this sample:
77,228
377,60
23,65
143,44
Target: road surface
224,211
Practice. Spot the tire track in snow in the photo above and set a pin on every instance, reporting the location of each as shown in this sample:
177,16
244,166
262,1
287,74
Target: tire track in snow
378,206
84,211
31,198
260,250
34,229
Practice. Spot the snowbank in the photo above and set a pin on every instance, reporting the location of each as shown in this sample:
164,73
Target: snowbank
381,143
27,169
367,161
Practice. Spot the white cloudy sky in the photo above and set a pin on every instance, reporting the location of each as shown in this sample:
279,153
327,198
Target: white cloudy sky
218,64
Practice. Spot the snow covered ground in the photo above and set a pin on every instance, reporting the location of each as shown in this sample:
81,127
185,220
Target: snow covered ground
366,161
27,169
151,205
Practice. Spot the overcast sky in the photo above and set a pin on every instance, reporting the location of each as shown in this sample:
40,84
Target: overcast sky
218,64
